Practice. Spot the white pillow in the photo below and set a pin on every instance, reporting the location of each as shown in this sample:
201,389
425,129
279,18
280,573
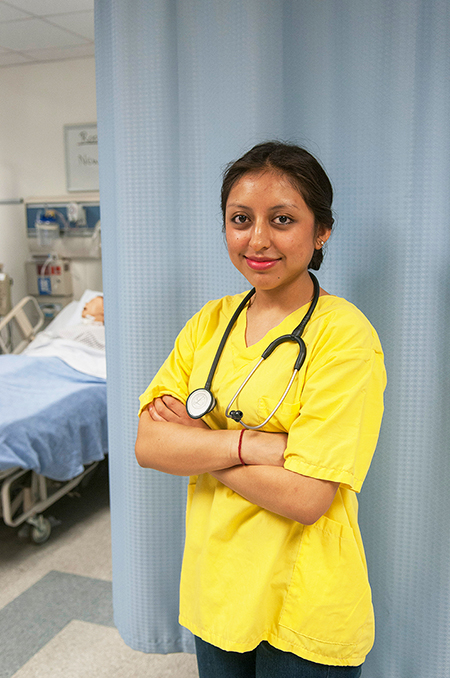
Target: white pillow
62,318
71,314
87,296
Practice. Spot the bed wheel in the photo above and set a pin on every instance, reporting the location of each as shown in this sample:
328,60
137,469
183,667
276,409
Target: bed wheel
41,530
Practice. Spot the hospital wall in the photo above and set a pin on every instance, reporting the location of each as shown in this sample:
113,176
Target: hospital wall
36,101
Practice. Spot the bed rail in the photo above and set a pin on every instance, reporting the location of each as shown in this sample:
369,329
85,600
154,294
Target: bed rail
19,318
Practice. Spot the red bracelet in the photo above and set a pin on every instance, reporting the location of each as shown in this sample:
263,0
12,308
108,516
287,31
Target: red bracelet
239,447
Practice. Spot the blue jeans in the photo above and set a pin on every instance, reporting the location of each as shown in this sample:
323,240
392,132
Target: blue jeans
264,661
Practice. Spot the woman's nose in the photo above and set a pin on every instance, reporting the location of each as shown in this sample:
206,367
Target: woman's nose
260,236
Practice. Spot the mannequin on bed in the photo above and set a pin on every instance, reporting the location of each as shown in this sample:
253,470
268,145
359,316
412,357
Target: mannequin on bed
93,310
80,342
91,330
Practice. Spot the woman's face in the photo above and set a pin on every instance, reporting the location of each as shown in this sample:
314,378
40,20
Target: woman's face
271,233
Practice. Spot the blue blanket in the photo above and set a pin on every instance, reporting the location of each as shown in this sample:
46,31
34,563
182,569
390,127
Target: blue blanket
52,417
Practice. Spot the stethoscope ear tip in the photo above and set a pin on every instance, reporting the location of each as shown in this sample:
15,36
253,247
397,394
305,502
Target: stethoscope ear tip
236,415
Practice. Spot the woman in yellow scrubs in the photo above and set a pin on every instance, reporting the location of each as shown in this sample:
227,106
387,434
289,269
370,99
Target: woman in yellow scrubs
274,579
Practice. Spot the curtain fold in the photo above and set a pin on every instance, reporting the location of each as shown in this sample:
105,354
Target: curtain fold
184,88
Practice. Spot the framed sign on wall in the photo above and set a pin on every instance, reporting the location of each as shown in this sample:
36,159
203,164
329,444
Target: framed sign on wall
81,148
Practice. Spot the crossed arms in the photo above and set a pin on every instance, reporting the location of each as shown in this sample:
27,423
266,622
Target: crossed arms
169,440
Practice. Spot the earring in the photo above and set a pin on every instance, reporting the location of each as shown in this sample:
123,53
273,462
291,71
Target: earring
322,243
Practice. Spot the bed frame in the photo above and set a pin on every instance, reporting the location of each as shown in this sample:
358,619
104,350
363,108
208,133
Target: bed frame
24,493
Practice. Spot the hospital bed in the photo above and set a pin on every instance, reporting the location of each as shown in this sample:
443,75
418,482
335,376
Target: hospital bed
53,430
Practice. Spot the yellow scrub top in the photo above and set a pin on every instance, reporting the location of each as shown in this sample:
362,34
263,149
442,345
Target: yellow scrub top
248,574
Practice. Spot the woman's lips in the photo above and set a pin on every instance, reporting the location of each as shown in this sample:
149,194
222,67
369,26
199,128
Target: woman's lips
261,264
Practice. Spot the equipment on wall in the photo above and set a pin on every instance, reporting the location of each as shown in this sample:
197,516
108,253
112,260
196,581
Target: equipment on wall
48,224
64,240
51,277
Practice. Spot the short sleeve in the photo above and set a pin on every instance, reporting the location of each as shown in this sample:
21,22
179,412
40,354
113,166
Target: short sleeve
335,435
173,376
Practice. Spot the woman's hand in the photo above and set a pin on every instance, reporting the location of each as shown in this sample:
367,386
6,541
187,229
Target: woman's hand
167,408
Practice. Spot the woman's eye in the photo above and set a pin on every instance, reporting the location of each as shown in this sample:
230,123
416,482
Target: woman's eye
282,219
239,219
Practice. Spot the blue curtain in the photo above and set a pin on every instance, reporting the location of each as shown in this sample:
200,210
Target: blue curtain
185,87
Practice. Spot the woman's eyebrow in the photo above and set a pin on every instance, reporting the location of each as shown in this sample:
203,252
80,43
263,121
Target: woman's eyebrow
275,207
283,205
241,207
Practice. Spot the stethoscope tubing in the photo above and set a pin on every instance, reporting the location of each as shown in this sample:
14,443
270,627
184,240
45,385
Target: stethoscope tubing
223,341
255,428
202,401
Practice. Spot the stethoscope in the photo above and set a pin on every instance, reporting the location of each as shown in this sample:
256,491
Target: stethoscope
201,401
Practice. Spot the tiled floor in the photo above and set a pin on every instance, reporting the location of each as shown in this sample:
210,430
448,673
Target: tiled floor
55,601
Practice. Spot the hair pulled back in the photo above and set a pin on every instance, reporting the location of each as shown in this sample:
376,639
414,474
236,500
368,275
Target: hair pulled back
302,169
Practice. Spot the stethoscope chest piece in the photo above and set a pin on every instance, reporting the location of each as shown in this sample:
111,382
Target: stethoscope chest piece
200,402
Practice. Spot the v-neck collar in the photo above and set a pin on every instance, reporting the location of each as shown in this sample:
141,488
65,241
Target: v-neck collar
286,326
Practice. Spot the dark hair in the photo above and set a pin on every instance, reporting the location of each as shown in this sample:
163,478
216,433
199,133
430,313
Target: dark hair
303,170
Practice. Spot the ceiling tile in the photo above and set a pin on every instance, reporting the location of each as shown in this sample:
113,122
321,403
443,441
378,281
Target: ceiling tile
8,13
12,59
35,34
46,7
81,23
